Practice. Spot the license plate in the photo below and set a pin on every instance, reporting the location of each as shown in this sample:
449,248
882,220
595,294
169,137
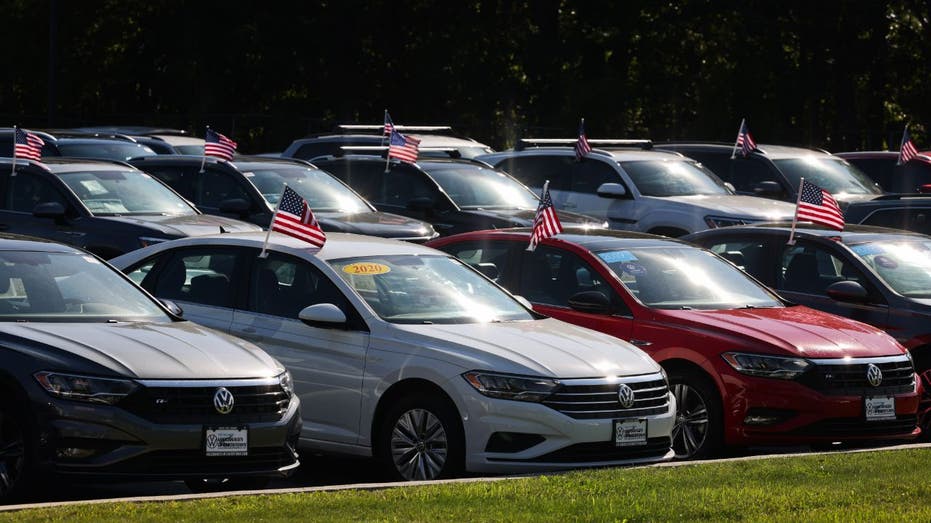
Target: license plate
879,408
226,441
630,432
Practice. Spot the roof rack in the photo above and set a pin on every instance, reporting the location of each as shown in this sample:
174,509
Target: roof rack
73,133
349,149
525,143
411,128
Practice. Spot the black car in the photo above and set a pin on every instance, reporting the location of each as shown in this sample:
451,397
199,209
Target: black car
108,208
774,171
871,274
455,195
103,148
911,212
6,143
101,381
248,188
435,141
914,176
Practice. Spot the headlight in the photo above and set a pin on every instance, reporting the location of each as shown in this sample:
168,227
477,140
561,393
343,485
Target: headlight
85,388
511,387
720,221
767,366
145,241
284,379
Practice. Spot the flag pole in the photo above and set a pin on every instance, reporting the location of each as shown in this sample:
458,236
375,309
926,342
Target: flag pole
898,160
795,217
546,186
203,161
734,152
388,155
384,121
13,172
268,232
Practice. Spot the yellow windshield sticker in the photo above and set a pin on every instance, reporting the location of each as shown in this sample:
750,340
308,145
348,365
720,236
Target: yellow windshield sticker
366,268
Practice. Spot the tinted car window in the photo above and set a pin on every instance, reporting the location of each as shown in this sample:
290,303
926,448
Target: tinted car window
911,219
912,176
179,178
747,255
282,286
364,177
588,175
198,276
551,276
490,258
111,151
217,186
810,269
313,150
27,189
401,185
745,173
533,171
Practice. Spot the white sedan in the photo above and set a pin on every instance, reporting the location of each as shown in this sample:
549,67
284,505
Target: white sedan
405,353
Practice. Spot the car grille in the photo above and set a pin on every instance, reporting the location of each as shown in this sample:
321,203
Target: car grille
655,448
848,377
857,427
194,462
598,398
183,405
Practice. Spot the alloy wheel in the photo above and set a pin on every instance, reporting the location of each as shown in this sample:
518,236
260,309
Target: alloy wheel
12,453
419,447
692,419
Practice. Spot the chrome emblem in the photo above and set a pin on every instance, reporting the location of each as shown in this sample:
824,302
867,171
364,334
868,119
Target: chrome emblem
223,401
874,375
625,395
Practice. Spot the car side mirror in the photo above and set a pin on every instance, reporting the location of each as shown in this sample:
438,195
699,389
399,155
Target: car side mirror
594,302
323,315
768,189
49,210
235,206
421,203
847,291
173,308
611,190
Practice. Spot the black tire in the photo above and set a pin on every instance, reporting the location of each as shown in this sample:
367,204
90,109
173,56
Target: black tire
17,454
224,484
699,429
421,438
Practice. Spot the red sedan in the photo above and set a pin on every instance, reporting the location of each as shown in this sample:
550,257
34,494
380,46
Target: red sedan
746,367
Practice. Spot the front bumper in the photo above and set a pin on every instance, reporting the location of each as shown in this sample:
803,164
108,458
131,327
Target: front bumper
121,444
556,441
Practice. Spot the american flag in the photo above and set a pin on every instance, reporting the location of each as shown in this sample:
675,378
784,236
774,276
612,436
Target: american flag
818,206
546,222
745,139
389,125
908,149
582,146
295,218
215,144
27,145
404,148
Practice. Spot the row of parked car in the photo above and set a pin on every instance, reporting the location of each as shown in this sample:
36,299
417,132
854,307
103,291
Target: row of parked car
482,358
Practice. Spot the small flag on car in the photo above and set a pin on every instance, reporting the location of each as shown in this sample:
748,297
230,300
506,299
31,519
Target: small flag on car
389,125
545,222
27,146
218,145
294,218
907,151
817,206
402,147
744,140
582,147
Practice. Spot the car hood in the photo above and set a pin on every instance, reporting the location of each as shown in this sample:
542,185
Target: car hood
187,225
738,206
375,223
546,347
524,217
143,350
791,331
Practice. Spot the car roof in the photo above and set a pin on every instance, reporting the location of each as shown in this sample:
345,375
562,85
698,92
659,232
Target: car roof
591,239
850,234
59,165
773,151
621,154
337,246
238,162
18,242
878,155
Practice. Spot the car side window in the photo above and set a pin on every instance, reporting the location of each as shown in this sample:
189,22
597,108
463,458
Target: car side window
810,269
401,185
493,259
179,178
26,190
534,170
364,178
910,219
589,174
217,186
206,277
745,173
748,255
139,273
282,286
717,163
551,276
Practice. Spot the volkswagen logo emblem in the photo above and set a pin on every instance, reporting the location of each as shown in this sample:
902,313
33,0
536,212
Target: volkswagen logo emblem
223,401
874,375
625,395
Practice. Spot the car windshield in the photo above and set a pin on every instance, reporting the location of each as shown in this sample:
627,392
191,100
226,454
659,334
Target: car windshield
673,178
68,287
905,266
685,278
121,151
427,289
836,176
120,193
477,187
322,192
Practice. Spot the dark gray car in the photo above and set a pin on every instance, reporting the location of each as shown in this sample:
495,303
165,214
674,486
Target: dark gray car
99,380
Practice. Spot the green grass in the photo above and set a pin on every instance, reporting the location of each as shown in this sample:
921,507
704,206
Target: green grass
870,486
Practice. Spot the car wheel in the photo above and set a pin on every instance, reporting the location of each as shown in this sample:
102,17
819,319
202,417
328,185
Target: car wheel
202,485
421,439
698,430
16,464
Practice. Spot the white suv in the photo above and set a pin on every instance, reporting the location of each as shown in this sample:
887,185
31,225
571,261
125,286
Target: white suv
404,352
637,189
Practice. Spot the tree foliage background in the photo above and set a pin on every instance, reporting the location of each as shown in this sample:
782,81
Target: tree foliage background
837,74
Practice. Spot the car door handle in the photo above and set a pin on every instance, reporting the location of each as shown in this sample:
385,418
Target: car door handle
640,343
